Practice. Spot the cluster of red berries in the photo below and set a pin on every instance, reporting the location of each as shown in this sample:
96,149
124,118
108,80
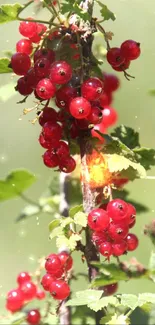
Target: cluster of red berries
55,280
111,223
119,58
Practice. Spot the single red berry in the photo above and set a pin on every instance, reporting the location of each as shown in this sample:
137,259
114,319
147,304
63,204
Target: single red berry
110,289
44,53
53,264
46,281
59,273
60,72
59,290
47,144
80,108
132,242
98,220
118,231
40,295
24,46
48,115
62,150
105,249
95,116
45,89
41,29
64,95
33,317
66,260
52,130
28,28
131,225
105,100
119,248
14,300
99,127
61,116
117,210
92,89
110,116
124,66
23,277
31,78
115,57
29,290
20,63
130,50
42,67
99,237
67,165
23,87
111,82
50,159
131,213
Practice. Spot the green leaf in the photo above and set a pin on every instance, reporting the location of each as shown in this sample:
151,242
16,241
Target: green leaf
85,297
70,242
7,91
127,135
66,221
75,209
119,320
4,65
58,231
108,274
53,224
28,211
104,320
144,298
103,302
9,12
80,219
105,12
129,300
145,156
74,6
15,183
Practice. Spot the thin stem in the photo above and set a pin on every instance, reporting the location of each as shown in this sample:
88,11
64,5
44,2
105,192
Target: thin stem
28,200
53,11
34,20
102,30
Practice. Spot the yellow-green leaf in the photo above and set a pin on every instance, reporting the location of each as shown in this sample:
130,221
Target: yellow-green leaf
4,65
9,12
80,219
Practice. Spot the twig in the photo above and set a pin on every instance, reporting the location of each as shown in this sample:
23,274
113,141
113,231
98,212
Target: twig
102,30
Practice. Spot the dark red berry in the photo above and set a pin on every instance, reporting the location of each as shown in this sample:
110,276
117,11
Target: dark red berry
132,242
29,290
119,248
60,72
66,260
24,46
130,50
117,210
109,116
82,124
98,220
52,130
47,144
110,289
105,100
41,29
50,159
131,225
118,231
14,300
53,264
28,28
31,78
105,249
67,165
48,115
20,63
42,67
40,295
124,66
115,57
64,95
92,89
80,108
45,89
95,116
111,82
62,150
131,213
46,281
33,317
59,290
23,87
23,277
44,53
99,237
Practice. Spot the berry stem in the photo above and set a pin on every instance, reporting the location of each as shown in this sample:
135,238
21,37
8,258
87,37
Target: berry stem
102,30
53,11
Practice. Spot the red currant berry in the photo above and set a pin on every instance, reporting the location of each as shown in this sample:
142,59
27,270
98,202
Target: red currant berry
118,231
24,46
124,66
60,72
62,150
105,249
110,289
44,53
28,28
46,281
92,89
20,63
47,144
130,50
59,274
52,130
105,100
41,29
14,300
50,159
45,89
66,260
98,220
40,295
33,317
64,95
119,248
95,116
67,165
99,237
80,108
98,127
48,115
110,117
31,78
59,290
115,57
23,277
29,290
42,67
23,87
53,264
117,210
131,225
132,242
111,82
131,213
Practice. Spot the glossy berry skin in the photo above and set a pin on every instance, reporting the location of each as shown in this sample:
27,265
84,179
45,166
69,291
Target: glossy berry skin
60,72
118,231
42,67
132,242
41,29
20,63
64,95
80,108
23,87
48,115
31,78
33,317
119,248
130,50
29,290
23,277
59,290
47,144
131,225
40,295
115,57
110,116
50,159
62,150
53,264
99,127
28,28
66,260
124,66
45,89
117,210
105,249
52,130
14,300
131,213
67,165
110,289
111,82
99,237
92,89
98,220
24,46
46,281
105,100
95,116
44,54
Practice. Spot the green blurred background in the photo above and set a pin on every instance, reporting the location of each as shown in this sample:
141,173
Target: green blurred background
23,243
